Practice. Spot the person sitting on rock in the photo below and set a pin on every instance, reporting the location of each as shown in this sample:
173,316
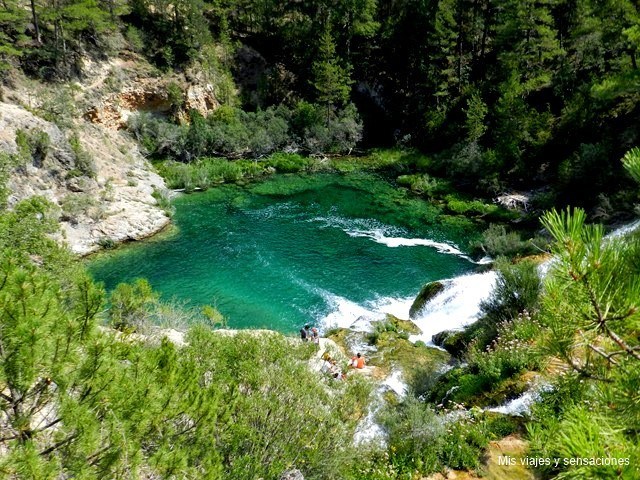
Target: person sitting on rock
304,333
357,361
315,336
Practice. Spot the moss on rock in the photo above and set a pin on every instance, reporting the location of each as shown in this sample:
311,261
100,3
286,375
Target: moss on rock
453,341
427,292
406,326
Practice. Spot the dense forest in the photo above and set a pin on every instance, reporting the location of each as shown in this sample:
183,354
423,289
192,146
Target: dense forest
462,100
502,94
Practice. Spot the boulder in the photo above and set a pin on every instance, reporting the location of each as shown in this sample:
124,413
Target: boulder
403,325
453,341
293,474
427,292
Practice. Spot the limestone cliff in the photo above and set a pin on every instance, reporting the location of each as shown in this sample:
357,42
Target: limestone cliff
112,203
66,143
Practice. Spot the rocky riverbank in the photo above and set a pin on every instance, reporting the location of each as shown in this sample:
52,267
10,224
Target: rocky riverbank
55,143
101,187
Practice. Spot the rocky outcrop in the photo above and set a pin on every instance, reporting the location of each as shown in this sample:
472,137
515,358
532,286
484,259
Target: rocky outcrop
406,326
102,186
143,92
453,341
427,292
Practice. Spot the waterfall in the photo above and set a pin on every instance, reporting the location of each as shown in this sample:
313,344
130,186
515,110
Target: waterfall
521,405
368,430
457,306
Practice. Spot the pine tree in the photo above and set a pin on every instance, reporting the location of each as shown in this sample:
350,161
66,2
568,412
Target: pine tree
331,80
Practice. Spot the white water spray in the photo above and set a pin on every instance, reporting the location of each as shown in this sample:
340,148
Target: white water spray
368,430
457,306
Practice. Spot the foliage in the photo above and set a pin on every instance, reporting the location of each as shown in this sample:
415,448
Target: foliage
163,199
25,230
497,241
631,162
602,312
589,309
287,162
234,133
330,79
76,204
33,146
90,403
516,291
84,162
511,353
420,441
131,304
502,95
423,184
58,105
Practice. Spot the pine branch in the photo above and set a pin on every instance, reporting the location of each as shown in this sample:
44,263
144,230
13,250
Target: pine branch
6,439
56,446
94,458
47,426
621,343
602,353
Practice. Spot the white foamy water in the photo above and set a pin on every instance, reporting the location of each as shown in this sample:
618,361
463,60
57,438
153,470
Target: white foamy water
624,230
395,383
521,405
457,306
347,314
392,237
368,430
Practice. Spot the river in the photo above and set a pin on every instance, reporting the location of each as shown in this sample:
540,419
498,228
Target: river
324,248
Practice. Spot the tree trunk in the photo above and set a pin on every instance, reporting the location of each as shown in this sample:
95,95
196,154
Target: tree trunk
35,22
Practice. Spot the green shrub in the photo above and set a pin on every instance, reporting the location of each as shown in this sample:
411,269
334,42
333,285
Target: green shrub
76,204
131,304
496,241
107,243
33,145
83,160
135,38
287,162
422,441
379,329
517,290
58,105
423,184
234,133
163,200
175,95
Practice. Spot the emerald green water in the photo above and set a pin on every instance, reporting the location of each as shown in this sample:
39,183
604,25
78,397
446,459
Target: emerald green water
293,249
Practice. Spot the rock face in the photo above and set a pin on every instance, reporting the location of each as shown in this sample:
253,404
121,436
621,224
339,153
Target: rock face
110,201
427,292
146,93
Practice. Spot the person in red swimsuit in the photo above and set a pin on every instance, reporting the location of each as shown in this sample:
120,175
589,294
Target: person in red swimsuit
357,361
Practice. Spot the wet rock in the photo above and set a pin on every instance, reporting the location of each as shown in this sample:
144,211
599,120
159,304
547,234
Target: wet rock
403,325
428,292
453,341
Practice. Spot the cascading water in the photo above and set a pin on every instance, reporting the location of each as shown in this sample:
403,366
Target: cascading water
522,404
457,306
369,431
